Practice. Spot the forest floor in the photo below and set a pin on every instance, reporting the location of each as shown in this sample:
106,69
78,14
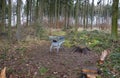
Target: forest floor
35,61
30,58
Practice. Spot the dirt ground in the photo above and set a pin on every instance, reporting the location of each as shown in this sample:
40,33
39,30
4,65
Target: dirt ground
26,63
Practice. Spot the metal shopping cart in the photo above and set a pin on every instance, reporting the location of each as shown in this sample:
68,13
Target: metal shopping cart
56,42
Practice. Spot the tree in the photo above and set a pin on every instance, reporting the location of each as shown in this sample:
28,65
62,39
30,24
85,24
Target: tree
9,20
3,15
37,10
76,14
27,11
92,13
114,31
84,13
87,10
18,20
30,11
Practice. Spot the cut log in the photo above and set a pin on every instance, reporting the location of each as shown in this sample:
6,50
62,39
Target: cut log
92,75
3,73
103,56
84,75
92,71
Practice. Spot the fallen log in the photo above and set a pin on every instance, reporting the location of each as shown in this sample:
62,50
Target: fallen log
84,75
90,73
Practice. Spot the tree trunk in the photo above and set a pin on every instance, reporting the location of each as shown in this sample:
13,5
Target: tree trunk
87,10
37,10
18,33
27,1
55,22
114,31
30,11
65,13
3,16
33,11
84,14
9,20
76,14
58,14
92,14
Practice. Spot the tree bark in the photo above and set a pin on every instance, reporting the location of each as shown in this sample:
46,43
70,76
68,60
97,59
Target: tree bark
76,14
3,15
9,20
92,14
18,33
114,31
27,3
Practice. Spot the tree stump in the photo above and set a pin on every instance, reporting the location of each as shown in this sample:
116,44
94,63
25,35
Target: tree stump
81,49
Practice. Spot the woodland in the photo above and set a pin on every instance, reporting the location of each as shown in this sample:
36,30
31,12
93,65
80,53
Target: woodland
91,39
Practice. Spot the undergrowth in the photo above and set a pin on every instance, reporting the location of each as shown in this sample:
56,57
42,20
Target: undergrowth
95,40
98,41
